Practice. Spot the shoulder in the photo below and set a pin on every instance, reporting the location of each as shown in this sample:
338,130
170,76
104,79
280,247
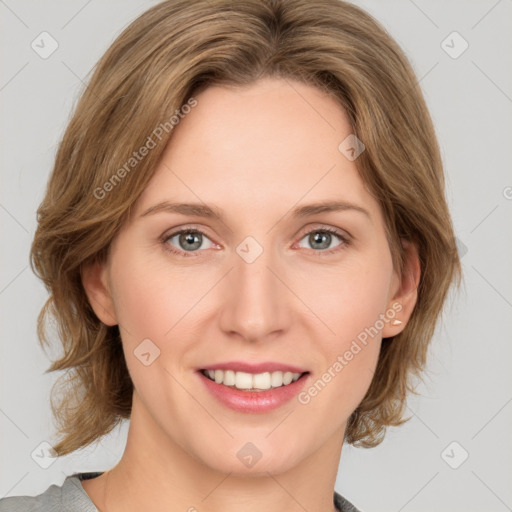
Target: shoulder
343,505
68,497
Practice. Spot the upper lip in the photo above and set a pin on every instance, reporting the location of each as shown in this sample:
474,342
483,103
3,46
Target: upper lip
268,366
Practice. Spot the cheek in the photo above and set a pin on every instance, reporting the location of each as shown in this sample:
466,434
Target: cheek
142,308
349,302
159,301
146,291
348,297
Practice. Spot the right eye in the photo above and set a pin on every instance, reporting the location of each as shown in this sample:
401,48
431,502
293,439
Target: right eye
187,238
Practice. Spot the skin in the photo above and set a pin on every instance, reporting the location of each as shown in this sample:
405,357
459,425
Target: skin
257,153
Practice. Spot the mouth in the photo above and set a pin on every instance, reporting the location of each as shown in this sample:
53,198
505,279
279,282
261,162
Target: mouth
249,392
253,382
253,387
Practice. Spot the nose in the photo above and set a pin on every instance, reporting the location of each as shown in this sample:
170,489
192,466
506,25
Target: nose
256,304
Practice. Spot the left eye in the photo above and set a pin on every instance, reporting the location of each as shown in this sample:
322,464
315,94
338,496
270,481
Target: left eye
322,238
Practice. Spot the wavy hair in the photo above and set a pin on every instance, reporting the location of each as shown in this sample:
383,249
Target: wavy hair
152,69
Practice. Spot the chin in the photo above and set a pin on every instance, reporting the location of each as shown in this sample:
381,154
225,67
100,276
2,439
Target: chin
248,460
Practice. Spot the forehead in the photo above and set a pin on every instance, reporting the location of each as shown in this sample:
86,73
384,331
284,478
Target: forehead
269,146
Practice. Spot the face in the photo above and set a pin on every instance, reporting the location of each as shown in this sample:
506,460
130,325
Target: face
267,282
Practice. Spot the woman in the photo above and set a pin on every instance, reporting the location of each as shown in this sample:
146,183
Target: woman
247,246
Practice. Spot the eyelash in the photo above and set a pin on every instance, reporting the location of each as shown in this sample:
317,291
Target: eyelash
345,241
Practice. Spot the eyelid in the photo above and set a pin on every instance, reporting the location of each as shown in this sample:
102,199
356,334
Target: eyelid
343,233
187,227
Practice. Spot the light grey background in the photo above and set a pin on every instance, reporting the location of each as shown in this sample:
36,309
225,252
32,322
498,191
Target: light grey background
467,393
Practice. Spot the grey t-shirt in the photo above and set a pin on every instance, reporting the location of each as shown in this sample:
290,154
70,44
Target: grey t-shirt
71,497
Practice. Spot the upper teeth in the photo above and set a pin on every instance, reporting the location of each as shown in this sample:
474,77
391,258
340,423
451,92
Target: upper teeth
243,380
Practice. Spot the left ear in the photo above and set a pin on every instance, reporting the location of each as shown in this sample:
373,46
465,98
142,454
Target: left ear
406,294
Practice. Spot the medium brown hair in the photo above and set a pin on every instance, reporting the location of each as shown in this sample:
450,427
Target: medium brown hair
153,68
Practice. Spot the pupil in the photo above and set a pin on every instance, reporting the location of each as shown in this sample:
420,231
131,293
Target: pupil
190,238
319,236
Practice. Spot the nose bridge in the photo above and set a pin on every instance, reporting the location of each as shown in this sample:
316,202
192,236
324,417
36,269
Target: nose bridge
256,304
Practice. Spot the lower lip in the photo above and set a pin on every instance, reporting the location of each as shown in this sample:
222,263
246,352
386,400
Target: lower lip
254,401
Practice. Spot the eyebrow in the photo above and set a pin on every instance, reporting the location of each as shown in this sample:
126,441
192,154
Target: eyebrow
203,210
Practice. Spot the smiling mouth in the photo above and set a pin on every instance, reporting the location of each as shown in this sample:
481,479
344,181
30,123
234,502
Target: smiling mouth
252,381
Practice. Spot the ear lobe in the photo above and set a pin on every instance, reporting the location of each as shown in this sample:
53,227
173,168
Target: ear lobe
406,295
94,280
